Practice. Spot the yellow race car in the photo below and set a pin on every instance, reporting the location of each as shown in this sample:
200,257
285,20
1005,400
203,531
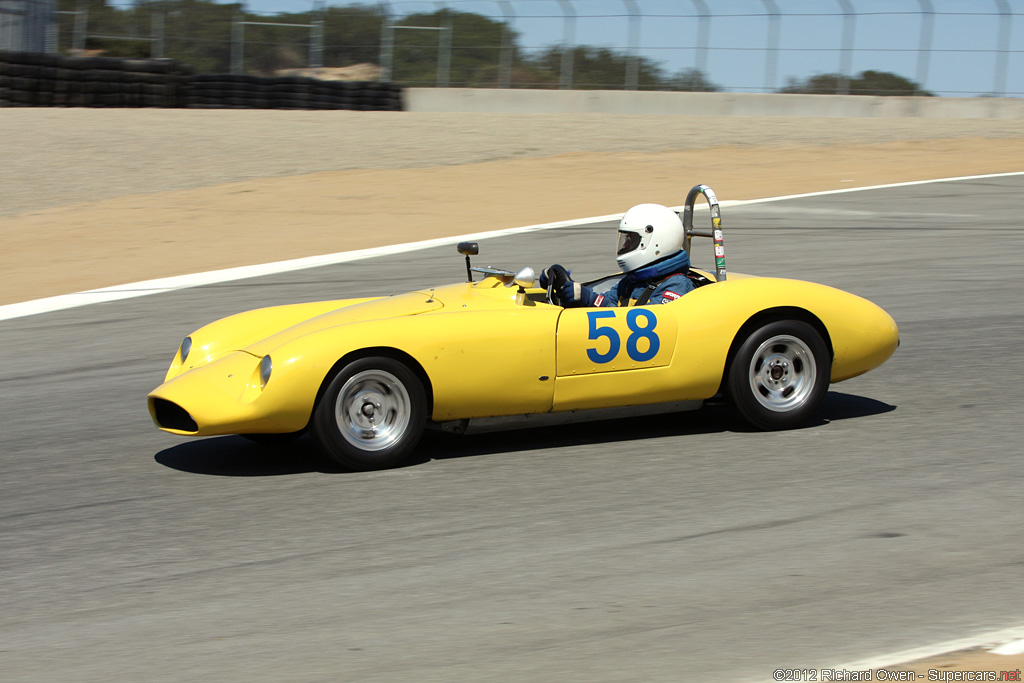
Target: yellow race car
365,376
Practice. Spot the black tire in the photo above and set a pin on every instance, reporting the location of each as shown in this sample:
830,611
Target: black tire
371,415
780,375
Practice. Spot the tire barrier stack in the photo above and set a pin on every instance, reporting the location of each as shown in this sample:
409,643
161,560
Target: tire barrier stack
34,79
228,91
30,79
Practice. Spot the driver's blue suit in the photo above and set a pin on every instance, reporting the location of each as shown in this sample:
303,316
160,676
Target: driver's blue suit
668,274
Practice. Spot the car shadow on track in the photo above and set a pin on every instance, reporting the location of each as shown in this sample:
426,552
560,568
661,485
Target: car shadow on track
234,456
712,419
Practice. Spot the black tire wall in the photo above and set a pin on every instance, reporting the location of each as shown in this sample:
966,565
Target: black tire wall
29,79
230,91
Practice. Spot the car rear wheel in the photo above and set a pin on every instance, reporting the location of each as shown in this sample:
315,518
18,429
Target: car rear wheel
372,414
780,374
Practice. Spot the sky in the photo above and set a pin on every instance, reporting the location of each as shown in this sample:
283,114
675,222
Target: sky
887,35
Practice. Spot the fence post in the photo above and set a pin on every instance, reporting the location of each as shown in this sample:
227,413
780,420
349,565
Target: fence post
156,43
568,44
24,31
444,50
1005,17
30,39
771,67
924,51
238,43
316,36
81,21
703,31
387,44
632,60
846,51
505,63
50,36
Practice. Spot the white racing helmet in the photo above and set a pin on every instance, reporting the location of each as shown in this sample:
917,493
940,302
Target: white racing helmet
647,233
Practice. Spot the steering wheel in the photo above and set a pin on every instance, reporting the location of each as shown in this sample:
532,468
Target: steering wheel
557,276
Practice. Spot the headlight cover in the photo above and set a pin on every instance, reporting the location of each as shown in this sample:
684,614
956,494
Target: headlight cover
266,367
186,346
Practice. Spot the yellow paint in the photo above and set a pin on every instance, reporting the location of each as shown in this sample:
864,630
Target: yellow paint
486,355
212,341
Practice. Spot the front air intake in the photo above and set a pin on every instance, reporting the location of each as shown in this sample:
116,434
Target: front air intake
172,416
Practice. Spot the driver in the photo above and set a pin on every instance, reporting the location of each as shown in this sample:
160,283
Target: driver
650,255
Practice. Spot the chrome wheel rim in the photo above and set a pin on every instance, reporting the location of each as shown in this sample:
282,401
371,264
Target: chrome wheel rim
373,410
782,373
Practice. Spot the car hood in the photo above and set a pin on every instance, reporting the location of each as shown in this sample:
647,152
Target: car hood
413,303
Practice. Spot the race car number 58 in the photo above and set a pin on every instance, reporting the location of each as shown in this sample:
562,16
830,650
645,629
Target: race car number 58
642,336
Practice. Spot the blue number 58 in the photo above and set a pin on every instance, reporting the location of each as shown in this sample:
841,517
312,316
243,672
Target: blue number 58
596,332
638,332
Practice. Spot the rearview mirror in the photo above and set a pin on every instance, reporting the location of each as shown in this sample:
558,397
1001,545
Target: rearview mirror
469,248
526,277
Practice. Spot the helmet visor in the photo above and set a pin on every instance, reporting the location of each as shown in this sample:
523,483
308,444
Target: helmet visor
628,241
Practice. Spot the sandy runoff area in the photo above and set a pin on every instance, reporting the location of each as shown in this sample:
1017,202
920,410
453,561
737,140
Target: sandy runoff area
93,198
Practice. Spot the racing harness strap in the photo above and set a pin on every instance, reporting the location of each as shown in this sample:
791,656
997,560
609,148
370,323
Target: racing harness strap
645,295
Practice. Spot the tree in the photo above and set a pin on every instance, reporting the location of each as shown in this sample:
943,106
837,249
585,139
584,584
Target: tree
692,80
476,45
352,35
269,48
196,32
199,34
866,83
594,68
129,28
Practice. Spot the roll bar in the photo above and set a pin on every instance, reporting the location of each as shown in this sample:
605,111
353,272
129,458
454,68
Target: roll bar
716,226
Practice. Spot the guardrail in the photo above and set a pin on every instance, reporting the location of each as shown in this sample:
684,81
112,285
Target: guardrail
489,100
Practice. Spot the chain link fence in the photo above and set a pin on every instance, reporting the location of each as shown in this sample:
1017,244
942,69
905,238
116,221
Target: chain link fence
27,25
909,47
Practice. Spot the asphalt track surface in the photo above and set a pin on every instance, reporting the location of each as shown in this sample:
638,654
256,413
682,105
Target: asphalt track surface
670,548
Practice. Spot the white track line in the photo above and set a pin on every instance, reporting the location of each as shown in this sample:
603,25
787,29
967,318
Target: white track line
168,284
1015,647
872,187
892,659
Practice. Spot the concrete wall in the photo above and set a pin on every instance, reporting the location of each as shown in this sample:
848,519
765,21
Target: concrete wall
698,103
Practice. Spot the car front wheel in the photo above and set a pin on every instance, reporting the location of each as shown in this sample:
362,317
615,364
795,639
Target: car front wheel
372,414
780,375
